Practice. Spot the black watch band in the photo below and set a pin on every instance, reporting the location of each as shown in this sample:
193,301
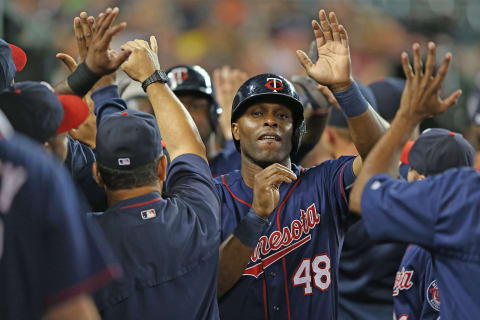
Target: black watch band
157,76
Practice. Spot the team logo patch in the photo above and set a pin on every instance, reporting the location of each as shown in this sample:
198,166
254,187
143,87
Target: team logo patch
433,296
148,214
124,161
403,281
285,241
178,75
274,84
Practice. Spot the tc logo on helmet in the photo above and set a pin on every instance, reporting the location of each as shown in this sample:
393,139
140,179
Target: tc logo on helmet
178,75
274,84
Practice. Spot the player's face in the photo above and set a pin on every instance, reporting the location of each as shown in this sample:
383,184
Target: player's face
198,106
265,133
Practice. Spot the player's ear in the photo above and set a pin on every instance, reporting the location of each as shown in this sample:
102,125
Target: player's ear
235,134
162,168
96,174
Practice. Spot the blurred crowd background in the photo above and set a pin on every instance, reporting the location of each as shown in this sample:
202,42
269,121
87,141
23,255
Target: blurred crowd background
262,36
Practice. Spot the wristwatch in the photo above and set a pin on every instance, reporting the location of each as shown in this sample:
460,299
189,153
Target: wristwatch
157,76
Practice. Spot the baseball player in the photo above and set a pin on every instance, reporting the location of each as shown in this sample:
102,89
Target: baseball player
12,60
168,247
439,213
51,255
283,225
415,292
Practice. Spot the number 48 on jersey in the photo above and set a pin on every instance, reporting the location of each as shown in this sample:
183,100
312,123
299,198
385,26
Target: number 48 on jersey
316,271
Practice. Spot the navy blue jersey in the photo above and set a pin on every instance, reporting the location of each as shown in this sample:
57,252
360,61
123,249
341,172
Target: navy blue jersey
79,161
49,249
440,214
293,272
168,249
226,160
367,271
415,291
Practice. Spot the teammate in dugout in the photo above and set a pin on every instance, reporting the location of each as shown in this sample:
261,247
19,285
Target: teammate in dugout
415,292
282,225
168,247
439,213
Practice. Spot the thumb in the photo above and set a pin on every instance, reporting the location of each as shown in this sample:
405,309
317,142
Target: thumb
304,60
67,60
153,44
121,58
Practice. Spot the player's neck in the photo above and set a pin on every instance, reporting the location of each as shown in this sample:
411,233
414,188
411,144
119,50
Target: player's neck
250,168
116,196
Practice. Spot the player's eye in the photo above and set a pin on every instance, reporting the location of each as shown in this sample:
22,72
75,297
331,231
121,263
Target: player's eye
257,113
283,116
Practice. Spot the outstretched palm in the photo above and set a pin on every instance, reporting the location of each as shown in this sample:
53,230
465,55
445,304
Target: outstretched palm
333,66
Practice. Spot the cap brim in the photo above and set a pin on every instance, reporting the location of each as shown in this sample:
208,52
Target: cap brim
75,112
19,57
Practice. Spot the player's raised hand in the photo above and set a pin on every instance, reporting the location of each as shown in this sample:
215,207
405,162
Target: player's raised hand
83,27
143,60
421,96
99,58
266,188
226,82
333,67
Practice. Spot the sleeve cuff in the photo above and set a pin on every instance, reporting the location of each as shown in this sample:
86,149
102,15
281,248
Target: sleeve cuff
250,229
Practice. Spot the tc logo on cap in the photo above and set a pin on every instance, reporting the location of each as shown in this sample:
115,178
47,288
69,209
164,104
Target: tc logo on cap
148,214
124,161
178,75
274,84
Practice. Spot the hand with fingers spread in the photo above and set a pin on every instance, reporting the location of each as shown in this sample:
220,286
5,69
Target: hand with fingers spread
226,82
333,67
266,188
421,96
143,61
99,59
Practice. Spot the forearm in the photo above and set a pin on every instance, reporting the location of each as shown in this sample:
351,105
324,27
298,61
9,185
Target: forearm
63,88
80,307
175,123
234,257
79,82
366,126
384,156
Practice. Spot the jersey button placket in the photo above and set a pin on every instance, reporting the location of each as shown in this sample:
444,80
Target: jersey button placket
276,308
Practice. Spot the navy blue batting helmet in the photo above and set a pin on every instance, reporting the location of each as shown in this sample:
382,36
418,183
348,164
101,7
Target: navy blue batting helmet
270,87
194,79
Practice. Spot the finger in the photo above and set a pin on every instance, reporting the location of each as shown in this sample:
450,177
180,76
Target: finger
278,169
343,35
319,36
67,61
442,72
278,180
87,32
407,68
329,95
120,58
100,18
107,38
417,60
304,60
81,44
451,100
327,30
430,64
335,29
107,22
217,80
142,43
153,44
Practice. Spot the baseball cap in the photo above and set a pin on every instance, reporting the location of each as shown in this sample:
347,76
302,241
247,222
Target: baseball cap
437,150
7,66
337,118
388,93
127,140
35,110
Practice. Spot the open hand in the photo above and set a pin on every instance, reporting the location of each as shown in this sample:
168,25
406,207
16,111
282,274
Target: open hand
143,61
266,188
421,96
333,67
99,58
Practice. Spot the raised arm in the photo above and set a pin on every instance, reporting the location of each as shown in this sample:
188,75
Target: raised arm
175,123
333,69
420,100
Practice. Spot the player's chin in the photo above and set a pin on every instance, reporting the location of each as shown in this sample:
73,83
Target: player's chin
267,157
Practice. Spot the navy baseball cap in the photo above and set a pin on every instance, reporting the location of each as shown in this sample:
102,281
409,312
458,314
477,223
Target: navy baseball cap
35,110
7,66
388,93
437,150
337,118
127,140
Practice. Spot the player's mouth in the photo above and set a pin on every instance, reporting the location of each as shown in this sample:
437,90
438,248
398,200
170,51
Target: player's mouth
270,137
